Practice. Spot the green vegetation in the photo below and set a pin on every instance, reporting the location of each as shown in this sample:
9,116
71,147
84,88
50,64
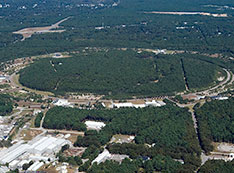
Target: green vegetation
180,99
158,163
199,73
169,127
215,122
63,118
38,119
119,74
217,166
201,33
72,160
6,104
75,161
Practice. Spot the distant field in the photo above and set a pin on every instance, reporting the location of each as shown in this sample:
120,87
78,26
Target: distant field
119,74
121,24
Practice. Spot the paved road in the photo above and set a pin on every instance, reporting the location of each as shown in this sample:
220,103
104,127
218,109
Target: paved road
222,84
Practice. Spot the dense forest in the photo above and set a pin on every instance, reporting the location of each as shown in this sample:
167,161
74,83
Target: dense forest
158,163
217,166
119,73
6,104
199,73
170,128
215,122
38,119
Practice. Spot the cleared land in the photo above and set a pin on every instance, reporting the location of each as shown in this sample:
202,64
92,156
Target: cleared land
28,32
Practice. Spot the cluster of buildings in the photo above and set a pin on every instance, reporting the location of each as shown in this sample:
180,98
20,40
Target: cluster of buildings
40,150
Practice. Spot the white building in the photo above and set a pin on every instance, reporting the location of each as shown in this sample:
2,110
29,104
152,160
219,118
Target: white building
3,78
62,102
14,164
94,125
155,103
4,169
35,166
131,105
102,157
12,153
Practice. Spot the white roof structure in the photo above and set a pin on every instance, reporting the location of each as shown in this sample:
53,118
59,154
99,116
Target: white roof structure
67,136
222,98
21,163
38,158
2,78
4,169
128,104
35,166
61,102
102,157
14,164
147,103
119,105
94,125
47,144
13,154
155,103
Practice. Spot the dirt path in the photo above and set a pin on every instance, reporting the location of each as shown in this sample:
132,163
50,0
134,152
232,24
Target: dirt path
60,131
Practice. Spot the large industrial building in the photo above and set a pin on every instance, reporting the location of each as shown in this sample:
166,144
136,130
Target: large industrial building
41,148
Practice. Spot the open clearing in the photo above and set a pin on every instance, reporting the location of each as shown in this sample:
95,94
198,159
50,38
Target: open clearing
28,32
188,13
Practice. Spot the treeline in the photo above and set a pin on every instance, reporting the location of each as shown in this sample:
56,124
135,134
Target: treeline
215,122
217,166
169,127
6,104
38,119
